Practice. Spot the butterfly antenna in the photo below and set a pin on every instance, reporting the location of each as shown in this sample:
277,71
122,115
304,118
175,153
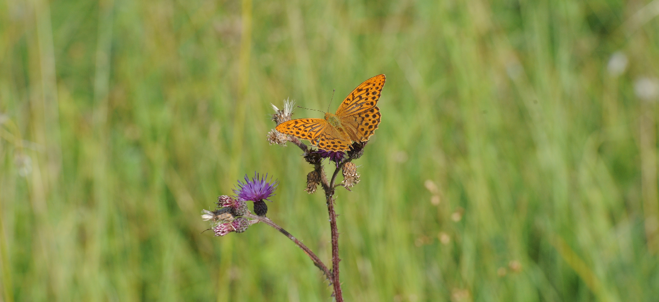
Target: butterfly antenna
328,105
309,109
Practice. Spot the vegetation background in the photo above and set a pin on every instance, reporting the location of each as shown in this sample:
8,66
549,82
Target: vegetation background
516,159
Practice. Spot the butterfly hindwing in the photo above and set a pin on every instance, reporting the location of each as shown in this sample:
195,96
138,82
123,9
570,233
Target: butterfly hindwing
331,140
364,122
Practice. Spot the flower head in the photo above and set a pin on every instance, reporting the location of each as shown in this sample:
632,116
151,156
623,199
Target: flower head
256,189
333,156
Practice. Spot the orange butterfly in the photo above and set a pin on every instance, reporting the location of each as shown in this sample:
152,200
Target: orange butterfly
354,121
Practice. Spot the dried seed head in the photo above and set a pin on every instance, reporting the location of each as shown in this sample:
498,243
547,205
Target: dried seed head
350,175
313,179
284,115
277,138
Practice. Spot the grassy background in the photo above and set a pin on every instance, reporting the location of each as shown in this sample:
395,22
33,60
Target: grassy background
512,163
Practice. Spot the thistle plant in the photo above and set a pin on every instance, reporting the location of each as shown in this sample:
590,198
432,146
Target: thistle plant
232,213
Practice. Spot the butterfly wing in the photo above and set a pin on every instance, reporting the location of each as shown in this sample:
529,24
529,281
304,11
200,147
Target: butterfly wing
331,139
364,97
360,126
303,128
359,114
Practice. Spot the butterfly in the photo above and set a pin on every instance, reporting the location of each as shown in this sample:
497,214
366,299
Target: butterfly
354,121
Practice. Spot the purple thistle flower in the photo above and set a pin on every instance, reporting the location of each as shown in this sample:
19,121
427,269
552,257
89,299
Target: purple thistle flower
256,189
333,156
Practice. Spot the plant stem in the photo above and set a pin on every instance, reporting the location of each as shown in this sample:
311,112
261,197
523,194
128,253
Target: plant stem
316,261
335,246
329,188
329,197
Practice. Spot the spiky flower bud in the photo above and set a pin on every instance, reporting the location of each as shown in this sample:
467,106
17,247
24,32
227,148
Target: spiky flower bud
350,175
225,201
240,225
222,229
239,208
313,179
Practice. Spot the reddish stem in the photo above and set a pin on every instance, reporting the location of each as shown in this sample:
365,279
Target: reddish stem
316,261
335,248
328,187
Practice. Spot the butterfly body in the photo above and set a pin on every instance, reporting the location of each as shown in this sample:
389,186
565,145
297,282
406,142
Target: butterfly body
354,121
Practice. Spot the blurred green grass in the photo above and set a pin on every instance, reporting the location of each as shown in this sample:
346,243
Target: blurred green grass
510,165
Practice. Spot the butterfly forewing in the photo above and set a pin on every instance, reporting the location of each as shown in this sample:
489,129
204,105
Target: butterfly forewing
304,128
364,97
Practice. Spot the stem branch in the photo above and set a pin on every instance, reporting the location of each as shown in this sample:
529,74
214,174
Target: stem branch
316,261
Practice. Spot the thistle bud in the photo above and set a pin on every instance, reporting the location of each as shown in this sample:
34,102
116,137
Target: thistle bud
239,208
240,225
225,201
